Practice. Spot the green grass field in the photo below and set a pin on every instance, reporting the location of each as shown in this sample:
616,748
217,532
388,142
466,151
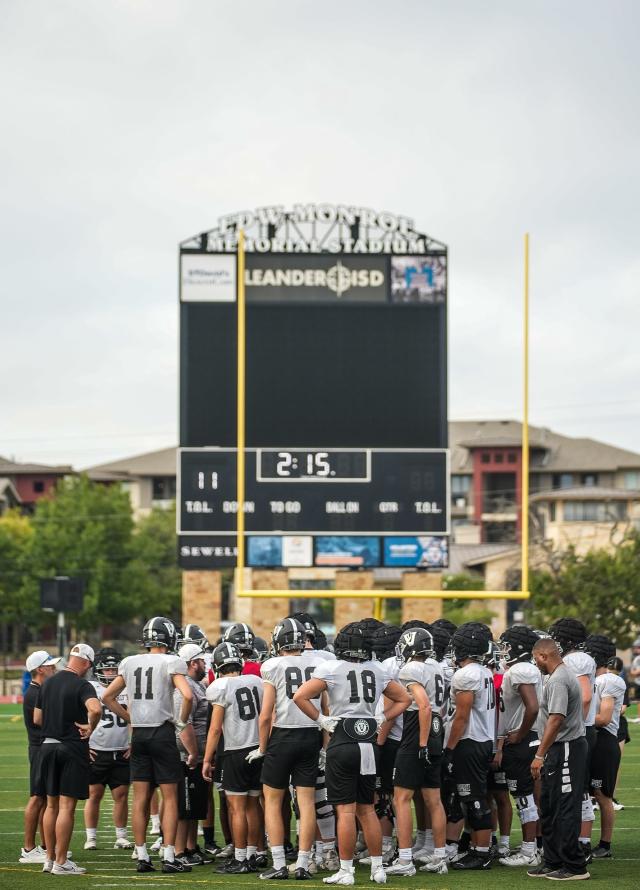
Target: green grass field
109,868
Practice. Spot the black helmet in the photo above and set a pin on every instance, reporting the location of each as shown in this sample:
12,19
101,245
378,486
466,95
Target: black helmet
351,643
260,650
569,634
320,639
159,632
226,658
106,659
193,633
415,622
384,640
307,621
449,626
600,648
441,640
241,636
517,643
288,635
415,642
472,640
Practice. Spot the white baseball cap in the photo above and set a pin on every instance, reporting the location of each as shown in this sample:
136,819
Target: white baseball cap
82,650
40,659
190,651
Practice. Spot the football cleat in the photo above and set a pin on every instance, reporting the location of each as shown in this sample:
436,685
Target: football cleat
301,874
331,861
175,867
155,846
617,806
226,852
29,857
602,853
68,868
472,861
47,866
379,875
436,865
401,867
144,866
540,871
259,860
342,877
518,859
91,844
275,874
123,843
424,853
563,874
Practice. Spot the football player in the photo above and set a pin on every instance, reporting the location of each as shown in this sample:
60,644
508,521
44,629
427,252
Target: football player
243,638
236,700
353,684
109,753
150,680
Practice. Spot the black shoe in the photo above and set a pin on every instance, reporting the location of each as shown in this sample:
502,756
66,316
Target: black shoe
190,857
602,853
563,874
175,867
588,855
275,874
539,871
290,852
211,849
301,874
230,864
144,865
239,868
473,861
259,861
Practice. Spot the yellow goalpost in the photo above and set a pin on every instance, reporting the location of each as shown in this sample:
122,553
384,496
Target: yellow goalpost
376,593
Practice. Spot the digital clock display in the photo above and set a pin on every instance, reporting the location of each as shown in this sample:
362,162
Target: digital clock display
305,465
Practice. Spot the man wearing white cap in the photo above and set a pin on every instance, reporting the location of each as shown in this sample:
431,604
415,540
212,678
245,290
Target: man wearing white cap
68,711
41,666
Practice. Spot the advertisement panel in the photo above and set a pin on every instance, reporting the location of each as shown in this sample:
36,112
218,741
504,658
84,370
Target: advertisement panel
319,278
207,278
419,279
417,552
297,551
277,551
339,550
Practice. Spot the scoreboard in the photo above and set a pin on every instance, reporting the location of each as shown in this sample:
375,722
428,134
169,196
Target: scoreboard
345,364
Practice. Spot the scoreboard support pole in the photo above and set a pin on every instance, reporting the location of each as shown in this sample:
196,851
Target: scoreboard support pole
380,595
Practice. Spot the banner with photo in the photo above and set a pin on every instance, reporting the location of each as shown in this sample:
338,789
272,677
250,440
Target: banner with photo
338,550
419,279
417,552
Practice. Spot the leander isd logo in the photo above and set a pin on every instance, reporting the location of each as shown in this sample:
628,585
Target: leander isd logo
361,727
436,724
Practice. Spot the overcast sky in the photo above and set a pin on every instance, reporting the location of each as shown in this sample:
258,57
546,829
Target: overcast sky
129,126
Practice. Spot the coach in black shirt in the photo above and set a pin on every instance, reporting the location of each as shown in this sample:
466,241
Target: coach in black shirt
68,711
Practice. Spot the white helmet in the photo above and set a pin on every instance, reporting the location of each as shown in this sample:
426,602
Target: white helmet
190,651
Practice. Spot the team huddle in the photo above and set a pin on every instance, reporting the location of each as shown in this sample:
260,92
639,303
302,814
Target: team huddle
430,725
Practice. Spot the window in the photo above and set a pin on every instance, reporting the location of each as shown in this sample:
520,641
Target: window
511,457
38,486
563,480
594,511
589,479
499,457
632,480
552,511
485,457
164,488
460,484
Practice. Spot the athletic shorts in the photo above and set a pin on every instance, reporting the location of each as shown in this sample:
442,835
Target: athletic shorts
470,760
516,763
292,758
36,788
239,776
590,735
63,770
193,794
386,761
345,784
605,762
411,772
623,730
154,755
496,778
110,768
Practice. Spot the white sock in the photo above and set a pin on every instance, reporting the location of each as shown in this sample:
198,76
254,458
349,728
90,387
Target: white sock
92,834
329,846
420,838
303,859
169,853
585,840
403,853
251,851
428,838
155,822
504,840
240,853
142,851
528,847
277,853
439,852
319,845
376,863
482,849
121,832
346,864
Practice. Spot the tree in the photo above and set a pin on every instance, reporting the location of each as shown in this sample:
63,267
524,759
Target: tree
601,588
459,610
155,564
18,607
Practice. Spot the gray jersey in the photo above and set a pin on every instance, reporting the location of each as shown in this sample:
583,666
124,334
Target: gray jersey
561,694
353,688
198,716
511,712
149,683
392,667
474,677
287,673
241,698
112,732
583,665
611,686
428,675
322,654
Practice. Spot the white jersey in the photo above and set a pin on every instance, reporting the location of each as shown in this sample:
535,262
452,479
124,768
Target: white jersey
392,667
241,698
582,665
149,683
112,732
611,686
353,688
474,677
511,713
428,675
287,673
322,654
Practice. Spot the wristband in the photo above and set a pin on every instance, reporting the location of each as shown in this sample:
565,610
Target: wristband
180,725
538,757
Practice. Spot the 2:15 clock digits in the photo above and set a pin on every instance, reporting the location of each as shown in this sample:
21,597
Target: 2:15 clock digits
310,463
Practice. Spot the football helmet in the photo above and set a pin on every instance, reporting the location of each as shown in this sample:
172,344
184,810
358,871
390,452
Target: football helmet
159,631
320,639
441,640
226,658
351,643
307,621
449,626
260,650
417,641
193,633
600,648
384,641
569,634
288,635
241,636
517,643
472,640
106,659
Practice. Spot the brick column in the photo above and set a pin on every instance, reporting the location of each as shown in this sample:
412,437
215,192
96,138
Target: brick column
347,610
424,609
201,601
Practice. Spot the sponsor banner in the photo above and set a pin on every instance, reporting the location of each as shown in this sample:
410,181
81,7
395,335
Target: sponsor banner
417,552
207,551
354,552
207,278
264,550
297,550
418,279
316,278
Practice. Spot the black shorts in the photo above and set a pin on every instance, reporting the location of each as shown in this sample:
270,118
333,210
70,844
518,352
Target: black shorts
292,758
345,784
470,761
238,776
154,755
411,772
496,778
605,762
386,761
218,762
516,763
623,730
63,769
36,788
591,737
110,768
193,794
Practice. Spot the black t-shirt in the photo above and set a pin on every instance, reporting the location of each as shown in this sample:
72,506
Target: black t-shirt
62,699
29,702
